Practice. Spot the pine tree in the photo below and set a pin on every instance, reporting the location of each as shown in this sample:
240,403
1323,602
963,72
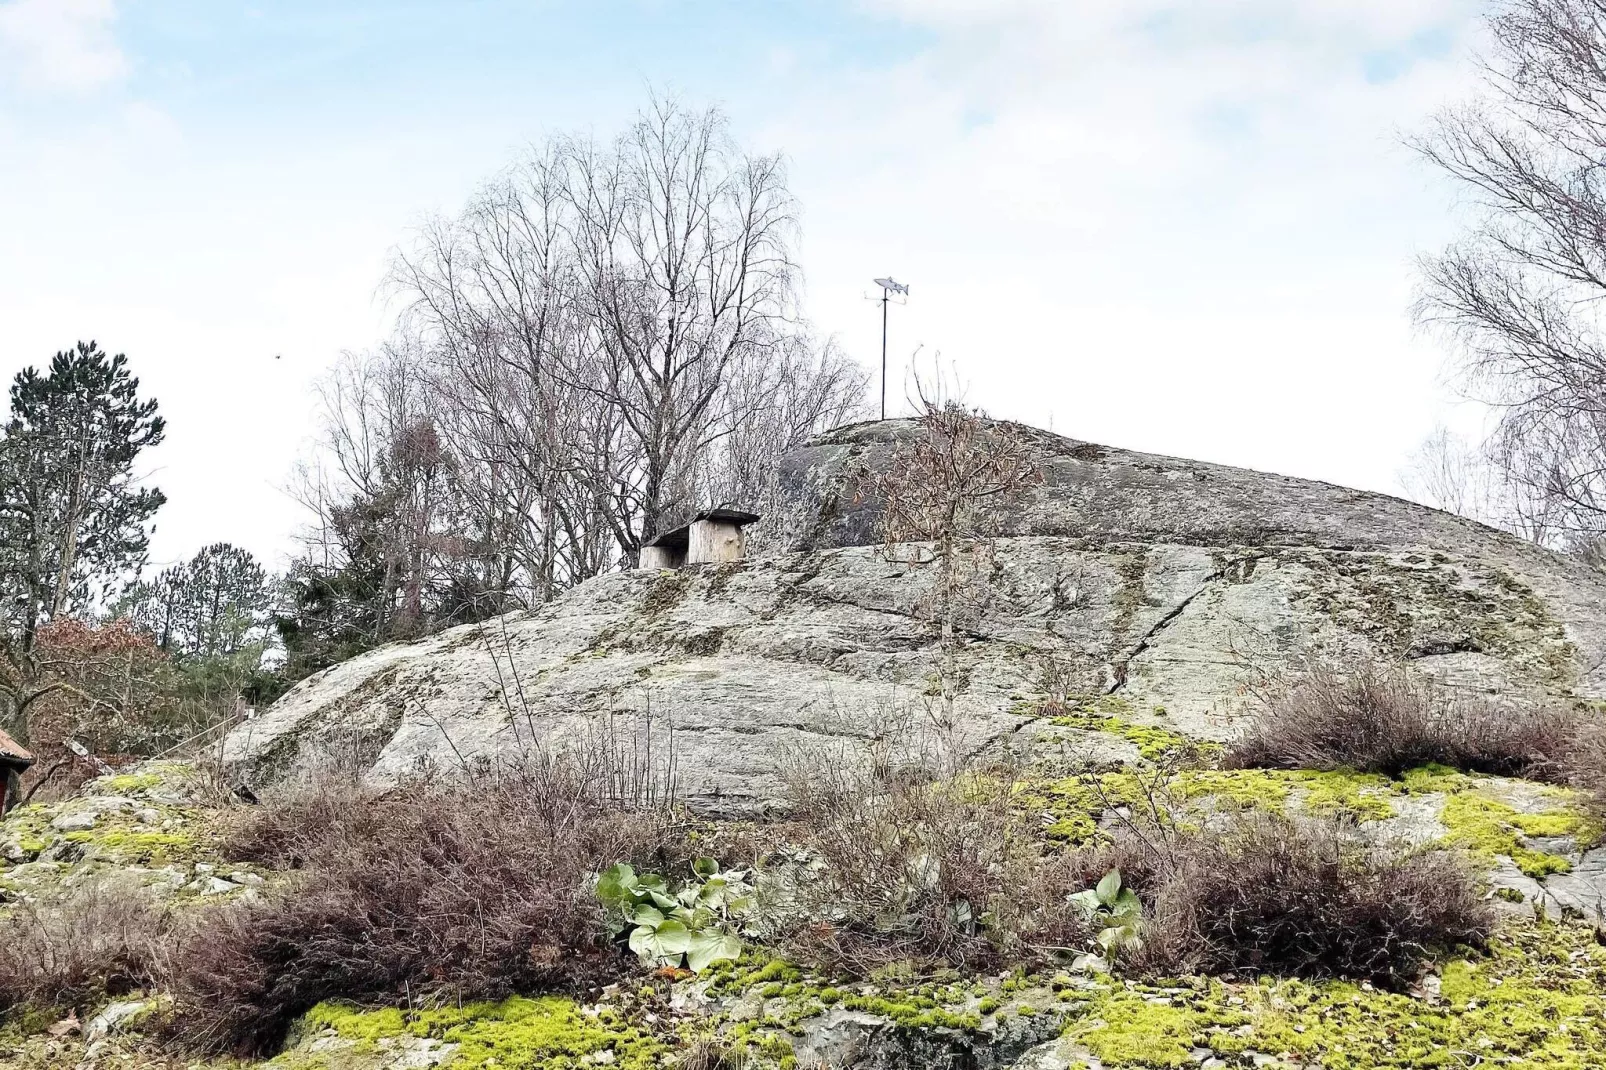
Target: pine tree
217,604
74,521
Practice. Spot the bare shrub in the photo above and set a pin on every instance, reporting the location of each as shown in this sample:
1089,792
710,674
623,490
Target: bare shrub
466,889
1373,718
1586,769
947,871
300,817
938,498
102,940
1272,894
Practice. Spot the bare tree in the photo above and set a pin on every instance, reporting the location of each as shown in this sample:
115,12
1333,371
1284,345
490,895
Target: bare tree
1447,473
613,340
1521,293
605,339
684,252
386,509
1451,473
940,495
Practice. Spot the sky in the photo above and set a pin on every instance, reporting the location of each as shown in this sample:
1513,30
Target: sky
1182,226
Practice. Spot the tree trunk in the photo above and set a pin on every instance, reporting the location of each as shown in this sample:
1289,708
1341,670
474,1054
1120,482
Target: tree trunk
69,543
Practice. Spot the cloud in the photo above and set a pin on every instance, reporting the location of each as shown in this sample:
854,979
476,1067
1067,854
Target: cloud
62,45
1184,225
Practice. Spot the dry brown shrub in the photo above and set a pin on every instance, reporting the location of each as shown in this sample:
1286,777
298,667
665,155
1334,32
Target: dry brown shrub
1586,769
927,871
298,818
105,939
1382,719
471,890
1295,897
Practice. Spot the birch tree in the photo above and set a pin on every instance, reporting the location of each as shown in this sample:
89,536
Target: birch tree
1520,294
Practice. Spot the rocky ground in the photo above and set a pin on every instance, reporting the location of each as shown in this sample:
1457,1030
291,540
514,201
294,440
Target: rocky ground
1537,999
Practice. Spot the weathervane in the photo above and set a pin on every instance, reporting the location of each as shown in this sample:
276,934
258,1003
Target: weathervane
888,288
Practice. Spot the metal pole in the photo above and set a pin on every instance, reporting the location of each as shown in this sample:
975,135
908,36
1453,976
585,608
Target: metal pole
885,297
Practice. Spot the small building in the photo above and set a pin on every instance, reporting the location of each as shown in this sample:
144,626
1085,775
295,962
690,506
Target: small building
713,536
14,761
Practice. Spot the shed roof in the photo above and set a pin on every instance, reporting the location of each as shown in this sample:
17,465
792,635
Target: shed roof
13,753
676,538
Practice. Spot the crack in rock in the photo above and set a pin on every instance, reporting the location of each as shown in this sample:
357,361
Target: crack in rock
1146,641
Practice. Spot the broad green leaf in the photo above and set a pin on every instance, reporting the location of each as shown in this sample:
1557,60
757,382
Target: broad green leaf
646,914
672,938
705,867
1127,903
616,884
1109,887
1087,901
663,900
708,947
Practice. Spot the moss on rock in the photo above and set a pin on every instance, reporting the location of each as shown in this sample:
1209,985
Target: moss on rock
519,1033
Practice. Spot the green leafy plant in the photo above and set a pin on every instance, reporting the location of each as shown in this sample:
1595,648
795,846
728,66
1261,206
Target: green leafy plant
1117,914
668,926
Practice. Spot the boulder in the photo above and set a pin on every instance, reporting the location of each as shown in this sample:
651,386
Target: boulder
1166,582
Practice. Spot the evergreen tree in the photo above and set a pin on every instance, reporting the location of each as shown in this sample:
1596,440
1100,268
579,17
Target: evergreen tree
74,520
217,604
341,609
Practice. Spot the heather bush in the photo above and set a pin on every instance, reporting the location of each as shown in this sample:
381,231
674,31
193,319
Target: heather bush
102,940
1372,718
1585,769
1293,897
946,871
469,890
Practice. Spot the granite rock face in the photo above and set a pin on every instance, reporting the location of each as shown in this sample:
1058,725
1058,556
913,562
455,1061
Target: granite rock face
1166,581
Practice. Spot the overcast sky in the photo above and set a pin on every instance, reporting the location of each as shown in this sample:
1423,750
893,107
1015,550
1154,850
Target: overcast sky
1184,226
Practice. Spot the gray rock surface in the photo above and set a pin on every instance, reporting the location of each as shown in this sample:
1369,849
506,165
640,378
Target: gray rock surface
1164,580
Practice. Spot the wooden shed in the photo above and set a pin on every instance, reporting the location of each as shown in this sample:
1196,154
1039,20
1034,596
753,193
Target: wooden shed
711,537
14,761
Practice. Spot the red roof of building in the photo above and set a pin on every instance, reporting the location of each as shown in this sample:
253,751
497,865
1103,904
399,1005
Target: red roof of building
13,753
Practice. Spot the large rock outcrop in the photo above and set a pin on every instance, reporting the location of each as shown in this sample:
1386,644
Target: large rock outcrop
1166,581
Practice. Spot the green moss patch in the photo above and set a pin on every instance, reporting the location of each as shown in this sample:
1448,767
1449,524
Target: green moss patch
546,1033
134,846
1491,827
1112,714
1537,1001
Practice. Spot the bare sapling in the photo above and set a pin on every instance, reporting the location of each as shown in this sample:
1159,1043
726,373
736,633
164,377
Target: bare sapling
940,496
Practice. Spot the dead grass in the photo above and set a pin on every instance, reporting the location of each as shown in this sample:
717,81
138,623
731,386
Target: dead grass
471,890
104,940
1382,719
